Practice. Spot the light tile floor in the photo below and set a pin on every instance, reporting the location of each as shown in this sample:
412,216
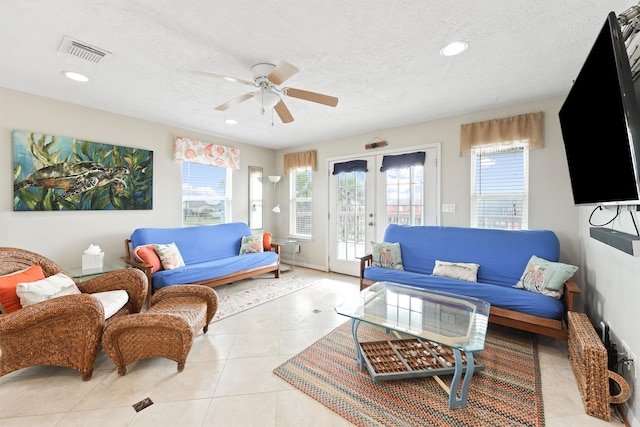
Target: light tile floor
228,379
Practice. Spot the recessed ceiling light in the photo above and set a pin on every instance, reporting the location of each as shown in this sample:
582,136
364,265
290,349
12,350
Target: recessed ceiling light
231,122
454,48
75,76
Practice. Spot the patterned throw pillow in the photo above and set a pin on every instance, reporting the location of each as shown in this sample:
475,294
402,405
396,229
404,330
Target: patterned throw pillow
251,244
545,277
169,256
457,270
387,255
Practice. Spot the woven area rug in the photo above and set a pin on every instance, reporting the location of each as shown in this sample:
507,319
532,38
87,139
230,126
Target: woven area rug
506,392
264,290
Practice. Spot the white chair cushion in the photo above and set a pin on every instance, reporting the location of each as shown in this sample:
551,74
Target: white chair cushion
112,301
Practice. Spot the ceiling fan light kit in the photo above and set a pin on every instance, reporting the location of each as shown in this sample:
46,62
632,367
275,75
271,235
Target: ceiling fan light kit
267,77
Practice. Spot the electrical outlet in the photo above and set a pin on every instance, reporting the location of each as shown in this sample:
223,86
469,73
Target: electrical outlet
448,207
630,358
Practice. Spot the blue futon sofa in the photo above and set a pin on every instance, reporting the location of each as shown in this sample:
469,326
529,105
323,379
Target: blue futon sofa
502,256
211,255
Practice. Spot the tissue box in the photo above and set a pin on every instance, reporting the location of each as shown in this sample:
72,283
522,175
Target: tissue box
92,261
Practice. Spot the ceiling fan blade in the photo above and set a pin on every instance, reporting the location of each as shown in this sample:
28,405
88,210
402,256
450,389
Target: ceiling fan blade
283,112
227,78
282,72
331,101
235,101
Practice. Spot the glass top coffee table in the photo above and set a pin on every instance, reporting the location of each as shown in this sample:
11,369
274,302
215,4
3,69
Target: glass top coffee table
444,325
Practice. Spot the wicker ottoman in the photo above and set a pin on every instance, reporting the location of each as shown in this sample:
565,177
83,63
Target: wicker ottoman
588,359
166,329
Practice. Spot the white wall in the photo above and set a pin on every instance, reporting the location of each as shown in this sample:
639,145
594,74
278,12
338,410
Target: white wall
610,281
63,236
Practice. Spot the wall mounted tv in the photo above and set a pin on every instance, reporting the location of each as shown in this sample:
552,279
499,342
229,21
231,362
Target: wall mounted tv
600,122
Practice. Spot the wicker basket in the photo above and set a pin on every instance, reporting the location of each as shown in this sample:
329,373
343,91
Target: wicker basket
588,359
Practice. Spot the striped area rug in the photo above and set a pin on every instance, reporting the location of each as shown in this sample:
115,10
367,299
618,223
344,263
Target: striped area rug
506,392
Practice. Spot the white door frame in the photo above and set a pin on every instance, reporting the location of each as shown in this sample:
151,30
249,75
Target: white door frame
432,193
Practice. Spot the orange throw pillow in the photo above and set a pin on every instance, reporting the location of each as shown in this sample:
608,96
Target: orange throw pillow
266,241
148,255
8,283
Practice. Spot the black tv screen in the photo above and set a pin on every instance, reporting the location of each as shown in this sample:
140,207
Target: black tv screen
600,122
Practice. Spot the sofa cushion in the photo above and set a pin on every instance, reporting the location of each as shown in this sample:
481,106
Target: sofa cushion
457,270
9,299
212,269
199,243
387,255
504,297
545,277
251,244
501,254
112,301
45,289
169,255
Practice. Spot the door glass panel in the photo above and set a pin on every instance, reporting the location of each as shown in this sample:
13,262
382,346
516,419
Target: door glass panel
404,189
351,216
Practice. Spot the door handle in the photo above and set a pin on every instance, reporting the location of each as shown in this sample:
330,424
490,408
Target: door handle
371,223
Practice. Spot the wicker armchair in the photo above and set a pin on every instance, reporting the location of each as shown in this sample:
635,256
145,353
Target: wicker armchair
64,331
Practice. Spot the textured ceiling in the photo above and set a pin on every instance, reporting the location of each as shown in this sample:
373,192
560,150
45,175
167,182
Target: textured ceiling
380,58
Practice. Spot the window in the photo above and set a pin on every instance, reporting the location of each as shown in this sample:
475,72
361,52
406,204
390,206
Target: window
404,189
499,186
206,194
300,202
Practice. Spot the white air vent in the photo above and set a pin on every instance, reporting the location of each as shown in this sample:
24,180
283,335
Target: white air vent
82,50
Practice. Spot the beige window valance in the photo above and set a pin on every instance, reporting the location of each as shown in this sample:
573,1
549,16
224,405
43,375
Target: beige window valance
525,128
300,160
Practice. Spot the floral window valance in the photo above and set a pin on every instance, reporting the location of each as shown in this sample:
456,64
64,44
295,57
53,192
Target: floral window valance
526,128
302,159
194,151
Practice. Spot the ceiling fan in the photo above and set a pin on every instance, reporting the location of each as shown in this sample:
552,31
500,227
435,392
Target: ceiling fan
267,78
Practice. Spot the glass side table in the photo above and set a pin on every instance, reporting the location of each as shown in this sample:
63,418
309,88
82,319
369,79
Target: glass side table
286,242
81,274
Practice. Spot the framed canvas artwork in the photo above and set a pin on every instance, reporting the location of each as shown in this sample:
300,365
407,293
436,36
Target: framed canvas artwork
55,173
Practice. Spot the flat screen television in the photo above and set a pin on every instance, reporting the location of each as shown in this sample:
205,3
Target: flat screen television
600,123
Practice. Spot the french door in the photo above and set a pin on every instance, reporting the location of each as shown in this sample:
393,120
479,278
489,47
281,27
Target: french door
362,204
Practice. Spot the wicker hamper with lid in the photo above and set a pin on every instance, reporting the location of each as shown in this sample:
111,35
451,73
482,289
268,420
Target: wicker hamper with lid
588,358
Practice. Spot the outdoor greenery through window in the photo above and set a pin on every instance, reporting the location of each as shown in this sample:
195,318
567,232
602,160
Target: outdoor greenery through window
300,202
206,194
499,186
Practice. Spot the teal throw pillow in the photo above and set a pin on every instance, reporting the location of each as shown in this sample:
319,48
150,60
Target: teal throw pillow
387,255
545,277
